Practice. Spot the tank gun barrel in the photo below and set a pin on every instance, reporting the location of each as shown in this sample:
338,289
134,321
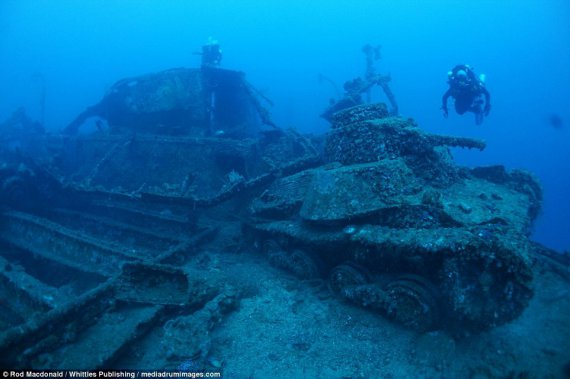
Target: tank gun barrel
451,141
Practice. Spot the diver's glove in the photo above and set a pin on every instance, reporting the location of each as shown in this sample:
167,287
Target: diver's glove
487,109
445,111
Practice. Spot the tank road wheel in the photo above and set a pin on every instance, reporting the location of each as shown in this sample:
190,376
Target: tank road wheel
347,274
413,302
304,265
301,264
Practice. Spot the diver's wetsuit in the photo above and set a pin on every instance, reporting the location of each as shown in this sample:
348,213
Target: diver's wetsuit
468,97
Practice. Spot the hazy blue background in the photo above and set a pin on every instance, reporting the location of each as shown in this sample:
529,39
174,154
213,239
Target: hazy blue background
81,48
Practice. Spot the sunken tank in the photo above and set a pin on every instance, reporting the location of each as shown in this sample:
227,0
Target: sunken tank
397,227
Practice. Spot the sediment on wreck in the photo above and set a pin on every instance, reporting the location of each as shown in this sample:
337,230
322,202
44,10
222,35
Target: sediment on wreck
431,235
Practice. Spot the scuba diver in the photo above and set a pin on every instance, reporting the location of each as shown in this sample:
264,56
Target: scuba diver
211,54
469,93
354,89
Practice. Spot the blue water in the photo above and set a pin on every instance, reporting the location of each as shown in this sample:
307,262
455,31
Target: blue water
77,49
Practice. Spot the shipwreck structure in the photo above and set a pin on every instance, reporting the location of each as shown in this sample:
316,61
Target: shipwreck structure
101,233
180,101
97,228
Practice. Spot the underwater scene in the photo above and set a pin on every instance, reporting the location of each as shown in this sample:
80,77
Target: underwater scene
285,189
